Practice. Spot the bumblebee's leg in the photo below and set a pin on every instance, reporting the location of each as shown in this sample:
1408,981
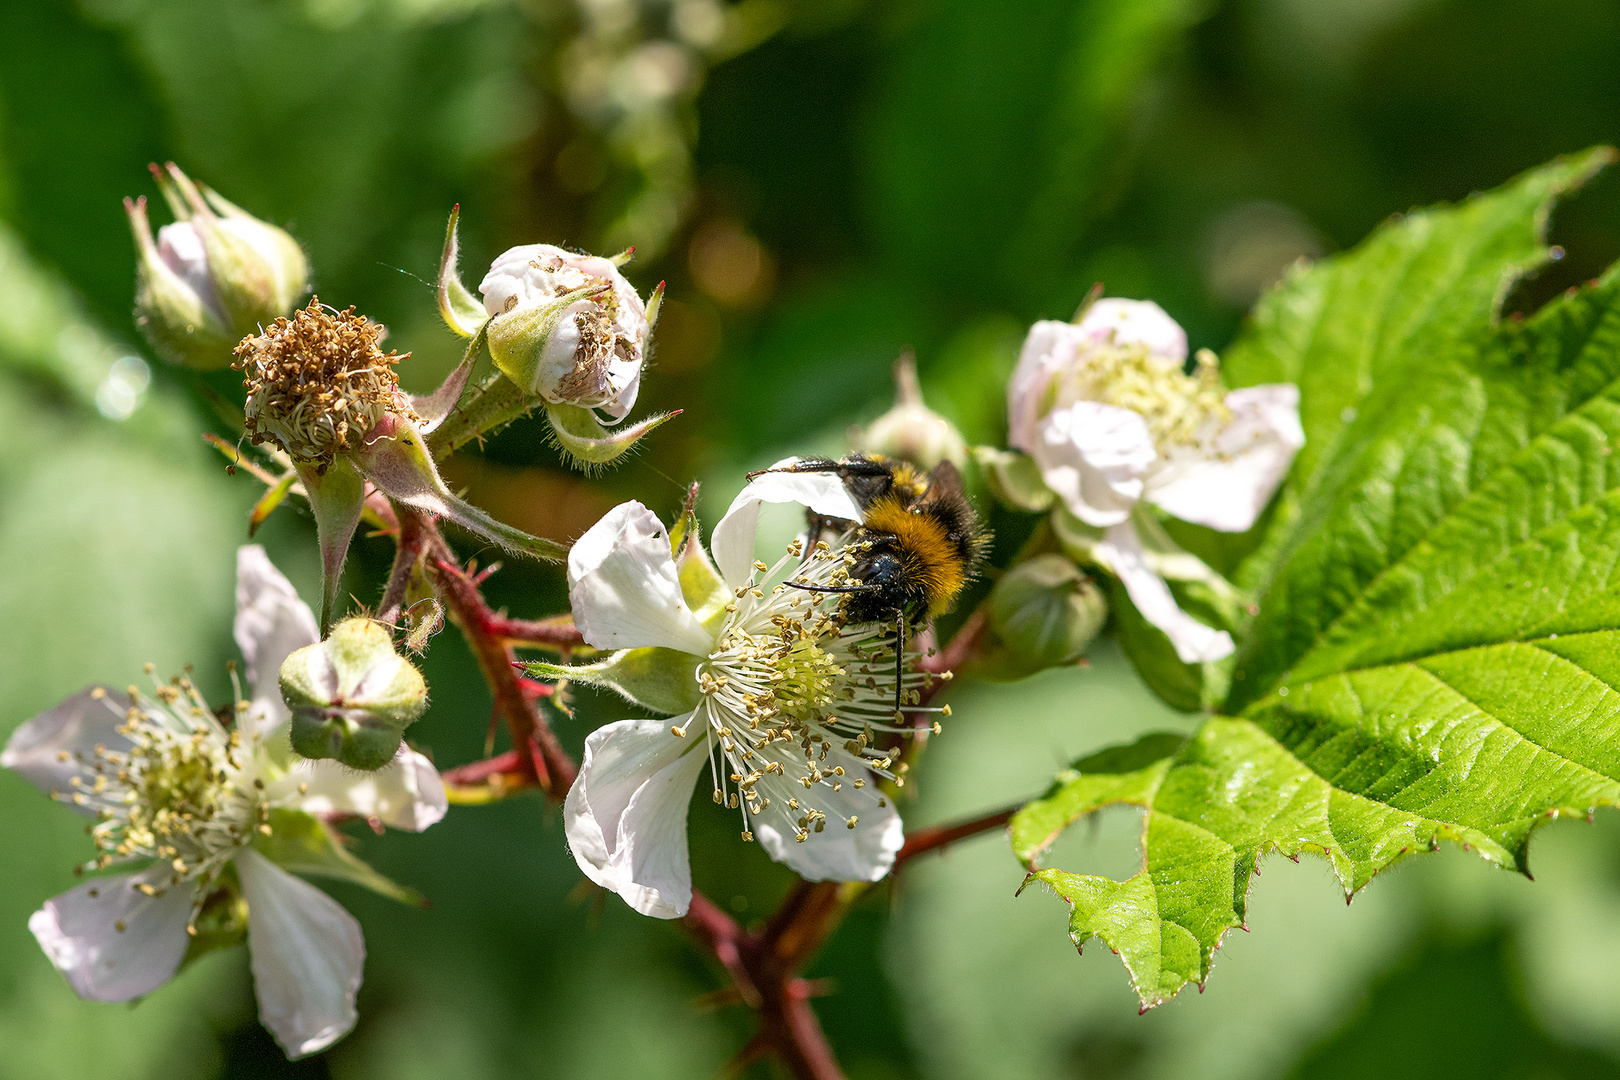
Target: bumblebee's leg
817,525
850,467
899,657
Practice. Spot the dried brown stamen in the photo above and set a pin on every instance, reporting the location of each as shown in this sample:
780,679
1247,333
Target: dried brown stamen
318,383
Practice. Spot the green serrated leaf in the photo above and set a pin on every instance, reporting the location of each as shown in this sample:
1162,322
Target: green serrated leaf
1435,655
304,844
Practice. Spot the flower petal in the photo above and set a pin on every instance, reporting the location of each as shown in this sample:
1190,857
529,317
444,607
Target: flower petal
625,816
57,745
1094,457
624,588
1120,552
1049,347
111,940
1135,322
307,957
271,624
837,853
404,794
732,542
1227,489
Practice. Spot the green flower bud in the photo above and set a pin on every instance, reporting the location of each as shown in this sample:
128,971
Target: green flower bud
212,277
911,431
1045,613
352,696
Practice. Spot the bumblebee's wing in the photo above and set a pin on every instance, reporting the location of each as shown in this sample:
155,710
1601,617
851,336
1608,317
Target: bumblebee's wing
945,485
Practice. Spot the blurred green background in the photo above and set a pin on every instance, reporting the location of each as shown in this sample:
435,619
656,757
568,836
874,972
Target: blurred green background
821,182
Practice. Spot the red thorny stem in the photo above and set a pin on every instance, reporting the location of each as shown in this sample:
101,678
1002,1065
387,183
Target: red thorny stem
541,759
764,965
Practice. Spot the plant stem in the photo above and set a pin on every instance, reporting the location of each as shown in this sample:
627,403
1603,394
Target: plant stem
922,841
542,757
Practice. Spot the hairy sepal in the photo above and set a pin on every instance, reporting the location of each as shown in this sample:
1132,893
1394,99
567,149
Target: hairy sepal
581,436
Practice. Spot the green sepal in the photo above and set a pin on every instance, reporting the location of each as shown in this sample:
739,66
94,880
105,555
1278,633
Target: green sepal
518,339
221,922
403,469
660,680
1014,478
701,586
269,501
462,312
304,844
584,440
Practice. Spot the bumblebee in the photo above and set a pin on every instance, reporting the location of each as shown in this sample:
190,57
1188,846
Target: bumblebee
916,546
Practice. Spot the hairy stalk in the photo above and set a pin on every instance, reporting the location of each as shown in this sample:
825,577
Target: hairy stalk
558,632
494,402
408,553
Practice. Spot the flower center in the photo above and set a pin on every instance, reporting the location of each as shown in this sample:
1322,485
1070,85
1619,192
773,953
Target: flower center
800,702
317,383
1180,409
184,789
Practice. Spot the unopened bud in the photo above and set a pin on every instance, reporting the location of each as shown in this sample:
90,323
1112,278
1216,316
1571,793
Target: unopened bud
1046,612
568,328
352,696
911,431
317,384
214,275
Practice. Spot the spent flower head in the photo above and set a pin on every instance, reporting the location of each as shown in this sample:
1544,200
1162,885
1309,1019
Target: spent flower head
320,387
319,384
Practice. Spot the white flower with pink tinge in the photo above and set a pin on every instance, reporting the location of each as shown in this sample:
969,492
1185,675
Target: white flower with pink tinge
1104,409
593,356
787,705
192,799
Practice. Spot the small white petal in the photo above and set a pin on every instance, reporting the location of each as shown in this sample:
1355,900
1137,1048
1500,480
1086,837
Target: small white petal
307,957
1136,322
74,728
1120,552
625,816
837,853
404,794
1049,347
624,588
732,542
1228,489
1094,457
538,273
271,624
111,940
